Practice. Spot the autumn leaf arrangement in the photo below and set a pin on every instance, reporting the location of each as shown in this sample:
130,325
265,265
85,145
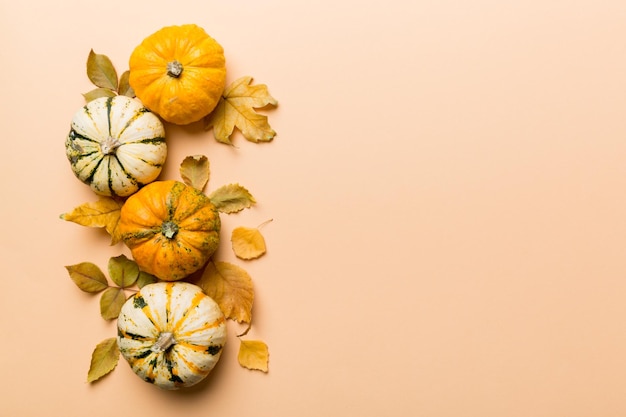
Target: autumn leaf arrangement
171,227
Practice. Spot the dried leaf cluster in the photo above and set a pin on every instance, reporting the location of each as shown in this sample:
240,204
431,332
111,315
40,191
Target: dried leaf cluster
228,284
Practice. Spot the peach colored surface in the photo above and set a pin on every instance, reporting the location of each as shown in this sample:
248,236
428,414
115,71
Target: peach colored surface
447,188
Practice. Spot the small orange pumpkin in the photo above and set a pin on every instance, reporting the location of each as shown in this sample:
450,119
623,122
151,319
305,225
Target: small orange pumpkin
172,229
178,72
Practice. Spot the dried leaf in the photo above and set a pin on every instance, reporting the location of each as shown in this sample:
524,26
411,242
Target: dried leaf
97,93
111,302
247,242
145,279
123,271
237,107
231,198
194,171
101,71
253,354
88,277
124,89
103,359
103,213
231,287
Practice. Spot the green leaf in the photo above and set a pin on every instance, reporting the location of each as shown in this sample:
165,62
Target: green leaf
103,359
145,279
124,89
231,198
97,93
111,303
88,277
101,71
123,271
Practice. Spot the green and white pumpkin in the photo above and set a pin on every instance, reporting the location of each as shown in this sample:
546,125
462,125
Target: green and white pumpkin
171,334
116,145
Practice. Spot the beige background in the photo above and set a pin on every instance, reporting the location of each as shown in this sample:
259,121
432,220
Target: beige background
447,188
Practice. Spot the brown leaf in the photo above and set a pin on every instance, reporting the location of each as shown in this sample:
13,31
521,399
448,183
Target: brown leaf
195,172
88,277
103,359
124,89
231,198
111,302
231,287
101,71
103,213
123,271
247,242
97,93
253,354
237,107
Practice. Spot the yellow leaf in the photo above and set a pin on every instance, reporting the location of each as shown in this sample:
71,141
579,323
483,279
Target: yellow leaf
103,359
248,242
111,302
237,107
195,171
253,354
231,198
231,287
88,277
100,71
103,213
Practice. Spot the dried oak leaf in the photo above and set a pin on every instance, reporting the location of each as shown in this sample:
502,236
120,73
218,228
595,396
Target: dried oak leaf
105,212
247,242
231,287
103,359
253,354
195,172
232,198
237,108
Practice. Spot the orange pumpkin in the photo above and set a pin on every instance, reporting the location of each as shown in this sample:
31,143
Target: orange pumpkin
178,72
172,229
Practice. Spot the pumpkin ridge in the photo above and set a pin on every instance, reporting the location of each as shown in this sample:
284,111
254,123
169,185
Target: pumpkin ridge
136,115
190,365
216,323
194,303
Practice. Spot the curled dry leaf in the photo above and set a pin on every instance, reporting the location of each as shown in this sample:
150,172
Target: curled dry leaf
253,354
232,198
195,172
237,107
111,302
105,212
231,287
101,72
103,359
247,242
123,271
88,277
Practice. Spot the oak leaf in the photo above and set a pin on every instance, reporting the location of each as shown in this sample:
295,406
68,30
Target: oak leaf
232,198
253,354
103,359
247,242
88,277
195,172
231,287
105,212
237,108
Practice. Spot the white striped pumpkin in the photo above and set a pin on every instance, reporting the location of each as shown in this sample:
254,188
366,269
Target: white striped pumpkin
116,145
171,334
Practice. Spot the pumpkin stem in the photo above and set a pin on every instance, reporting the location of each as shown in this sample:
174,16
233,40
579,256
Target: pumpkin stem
169,229
163,342
109,145
174,69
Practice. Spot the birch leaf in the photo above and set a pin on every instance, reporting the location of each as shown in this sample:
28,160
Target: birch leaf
231,198
88,277
97,93
231,287
103,359
100,71
124,88
253,354
237,108
123,271
247,242
111,302
194,171
105,212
